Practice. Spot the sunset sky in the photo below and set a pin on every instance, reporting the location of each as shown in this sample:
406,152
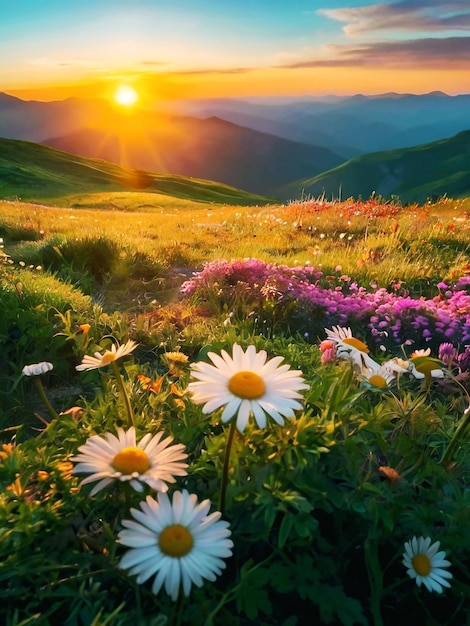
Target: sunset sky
165,49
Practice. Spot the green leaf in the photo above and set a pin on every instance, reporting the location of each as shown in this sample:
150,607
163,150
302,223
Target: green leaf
285,529
334,603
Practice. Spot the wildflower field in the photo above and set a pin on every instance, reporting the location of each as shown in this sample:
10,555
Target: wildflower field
222,415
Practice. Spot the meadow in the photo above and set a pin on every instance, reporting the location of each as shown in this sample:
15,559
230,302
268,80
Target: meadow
324,481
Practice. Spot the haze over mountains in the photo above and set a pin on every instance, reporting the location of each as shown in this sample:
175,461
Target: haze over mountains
348,126
273,147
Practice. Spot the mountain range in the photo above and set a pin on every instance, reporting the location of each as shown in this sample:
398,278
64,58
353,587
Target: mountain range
351,125
270,147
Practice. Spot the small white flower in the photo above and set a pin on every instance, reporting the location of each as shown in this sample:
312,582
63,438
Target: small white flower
247,384
425,564
351,349
151,461
36,369
177,542
100,360
381,378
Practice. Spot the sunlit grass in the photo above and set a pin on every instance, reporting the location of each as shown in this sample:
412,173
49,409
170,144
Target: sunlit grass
372,242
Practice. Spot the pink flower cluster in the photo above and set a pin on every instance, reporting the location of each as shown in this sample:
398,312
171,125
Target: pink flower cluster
305,305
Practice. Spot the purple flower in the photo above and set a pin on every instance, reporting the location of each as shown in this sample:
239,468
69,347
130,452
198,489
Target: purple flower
307,301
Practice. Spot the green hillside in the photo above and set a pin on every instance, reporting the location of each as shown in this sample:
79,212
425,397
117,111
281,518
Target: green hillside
413,174
36,173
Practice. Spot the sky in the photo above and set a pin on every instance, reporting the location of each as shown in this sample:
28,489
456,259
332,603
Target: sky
171,49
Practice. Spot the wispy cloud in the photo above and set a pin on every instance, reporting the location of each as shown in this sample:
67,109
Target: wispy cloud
433,53
153,63
404,15
51,63
221,71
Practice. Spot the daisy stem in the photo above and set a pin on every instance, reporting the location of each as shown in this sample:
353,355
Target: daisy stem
44,398
464,422
178,611
228,447
375,577
125,397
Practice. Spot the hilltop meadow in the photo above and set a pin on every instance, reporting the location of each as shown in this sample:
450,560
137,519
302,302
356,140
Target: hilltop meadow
306,365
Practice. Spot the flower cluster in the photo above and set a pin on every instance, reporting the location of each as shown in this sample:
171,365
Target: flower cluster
178,542
341,344
171,537
391,318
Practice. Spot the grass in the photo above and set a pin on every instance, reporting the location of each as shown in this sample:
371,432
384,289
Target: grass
371,241
318,528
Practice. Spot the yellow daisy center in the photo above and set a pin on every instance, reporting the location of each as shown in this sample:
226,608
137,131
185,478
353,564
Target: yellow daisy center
378,381
247,385
356,343
421,564
108,357
175,540
131,459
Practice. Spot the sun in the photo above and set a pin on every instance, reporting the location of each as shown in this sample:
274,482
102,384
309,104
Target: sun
125,95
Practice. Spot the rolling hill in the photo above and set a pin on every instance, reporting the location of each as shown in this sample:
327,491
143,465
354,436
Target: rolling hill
38,173
413,174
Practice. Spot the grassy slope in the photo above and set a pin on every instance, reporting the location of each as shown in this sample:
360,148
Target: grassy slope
414,174
40,174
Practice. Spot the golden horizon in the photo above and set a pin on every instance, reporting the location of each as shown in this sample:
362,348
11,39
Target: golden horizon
253,83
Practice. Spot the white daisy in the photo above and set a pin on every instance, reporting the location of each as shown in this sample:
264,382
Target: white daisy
425,564
247,384
352,349
381,378
151,461
177,542
100,360
36,369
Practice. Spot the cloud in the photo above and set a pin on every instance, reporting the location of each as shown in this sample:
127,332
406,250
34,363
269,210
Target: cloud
51,63
203,71
432,53
405,15
153,63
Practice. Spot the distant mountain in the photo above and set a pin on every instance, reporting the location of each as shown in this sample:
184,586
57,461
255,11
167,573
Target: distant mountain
35,121
414,174
210,149
35,172
348,126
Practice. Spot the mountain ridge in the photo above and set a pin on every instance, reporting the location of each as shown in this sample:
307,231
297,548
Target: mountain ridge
413,174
